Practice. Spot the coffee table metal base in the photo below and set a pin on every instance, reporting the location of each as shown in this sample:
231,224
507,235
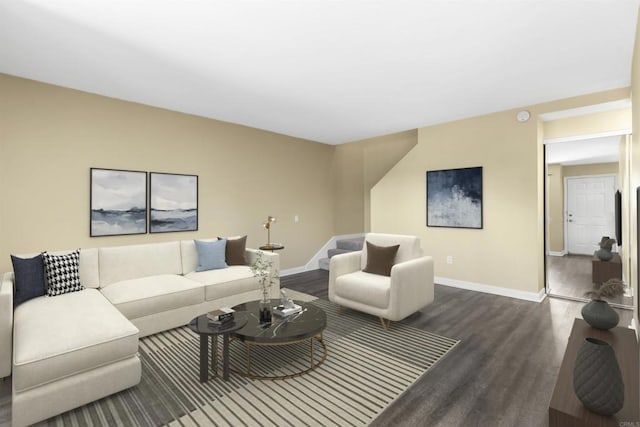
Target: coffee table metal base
313,364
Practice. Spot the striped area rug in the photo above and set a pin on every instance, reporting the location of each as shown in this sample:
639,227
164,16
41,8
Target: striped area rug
366,369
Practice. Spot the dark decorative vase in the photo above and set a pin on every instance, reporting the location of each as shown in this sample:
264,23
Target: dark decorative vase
597,380
604,254
599,314
265,312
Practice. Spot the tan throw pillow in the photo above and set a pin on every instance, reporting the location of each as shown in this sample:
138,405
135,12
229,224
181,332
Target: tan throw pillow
380,259
235,251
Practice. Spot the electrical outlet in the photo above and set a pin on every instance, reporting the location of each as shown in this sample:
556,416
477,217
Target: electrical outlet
449,259
296,218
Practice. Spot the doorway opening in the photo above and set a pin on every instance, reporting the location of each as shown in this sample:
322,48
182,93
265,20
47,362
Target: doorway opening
583,176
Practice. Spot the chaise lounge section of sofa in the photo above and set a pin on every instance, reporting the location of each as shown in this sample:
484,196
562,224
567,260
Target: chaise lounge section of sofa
78,347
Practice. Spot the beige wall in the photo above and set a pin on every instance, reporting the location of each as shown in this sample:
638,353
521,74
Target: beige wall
589,124
555,208
358,166
635,164
594,169
508,251
50,137
624,172
635,173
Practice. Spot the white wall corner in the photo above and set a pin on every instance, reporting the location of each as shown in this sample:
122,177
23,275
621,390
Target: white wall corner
495,290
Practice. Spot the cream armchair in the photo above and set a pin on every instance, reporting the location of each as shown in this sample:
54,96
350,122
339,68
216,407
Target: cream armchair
407,290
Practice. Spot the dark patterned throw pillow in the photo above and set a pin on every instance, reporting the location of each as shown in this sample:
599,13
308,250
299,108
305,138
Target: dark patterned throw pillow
63,273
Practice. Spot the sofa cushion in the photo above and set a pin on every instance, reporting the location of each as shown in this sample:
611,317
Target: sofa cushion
210,255
235,252
155,294
63,273
190,254
88,268
83,331
120,263
380,259
29,278
89,273
223,283
367,288
409,246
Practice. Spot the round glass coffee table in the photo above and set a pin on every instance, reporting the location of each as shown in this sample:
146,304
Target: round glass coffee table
307,325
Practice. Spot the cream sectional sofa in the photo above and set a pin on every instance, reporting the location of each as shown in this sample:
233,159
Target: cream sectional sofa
78,347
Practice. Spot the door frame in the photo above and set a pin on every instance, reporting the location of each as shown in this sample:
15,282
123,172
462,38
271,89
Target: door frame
566,201
545,143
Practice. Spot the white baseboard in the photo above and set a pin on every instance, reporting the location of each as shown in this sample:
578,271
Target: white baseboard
556,253
322,253
495,290
294,270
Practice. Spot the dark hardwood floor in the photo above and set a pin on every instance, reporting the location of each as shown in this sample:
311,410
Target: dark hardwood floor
501,374
570,276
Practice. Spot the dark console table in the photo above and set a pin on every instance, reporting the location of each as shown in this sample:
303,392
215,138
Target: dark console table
601,271
565,410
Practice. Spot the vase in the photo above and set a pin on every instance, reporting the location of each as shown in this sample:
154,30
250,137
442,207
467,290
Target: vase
604,254
597,380
265,307
599,314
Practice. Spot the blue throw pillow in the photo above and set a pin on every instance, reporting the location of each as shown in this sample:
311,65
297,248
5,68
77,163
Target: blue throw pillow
29,278
210,255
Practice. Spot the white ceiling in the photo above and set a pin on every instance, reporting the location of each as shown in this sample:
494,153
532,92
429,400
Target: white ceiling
585,151
325,70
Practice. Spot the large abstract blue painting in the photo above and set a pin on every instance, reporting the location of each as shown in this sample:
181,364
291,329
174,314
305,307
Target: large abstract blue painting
454,198
174,202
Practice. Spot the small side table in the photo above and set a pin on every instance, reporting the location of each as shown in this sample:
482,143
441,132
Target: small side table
206,329
601,271
272,247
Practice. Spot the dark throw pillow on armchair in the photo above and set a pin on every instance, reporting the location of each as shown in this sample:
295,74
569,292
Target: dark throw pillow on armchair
380,259
29,278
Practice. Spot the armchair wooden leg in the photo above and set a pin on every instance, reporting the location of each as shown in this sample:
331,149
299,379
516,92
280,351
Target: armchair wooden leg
340,310
385,324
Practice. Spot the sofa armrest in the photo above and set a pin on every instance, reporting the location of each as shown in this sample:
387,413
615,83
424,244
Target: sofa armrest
6,324
252,254
411,287
340,265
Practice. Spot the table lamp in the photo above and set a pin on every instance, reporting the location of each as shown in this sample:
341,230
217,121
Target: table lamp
267,225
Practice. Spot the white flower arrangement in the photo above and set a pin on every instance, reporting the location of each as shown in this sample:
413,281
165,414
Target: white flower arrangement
263,270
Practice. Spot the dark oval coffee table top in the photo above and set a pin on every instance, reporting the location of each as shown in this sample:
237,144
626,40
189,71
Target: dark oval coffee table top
308,323
201,324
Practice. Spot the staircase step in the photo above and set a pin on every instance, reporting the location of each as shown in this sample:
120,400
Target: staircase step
323,264
333,252
351,244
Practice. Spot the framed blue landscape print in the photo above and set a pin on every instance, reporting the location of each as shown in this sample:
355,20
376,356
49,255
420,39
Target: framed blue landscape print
118,202
174,202
454,198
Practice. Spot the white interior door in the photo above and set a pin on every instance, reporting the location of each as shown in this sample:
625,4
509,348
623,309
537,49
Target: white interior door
590,212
